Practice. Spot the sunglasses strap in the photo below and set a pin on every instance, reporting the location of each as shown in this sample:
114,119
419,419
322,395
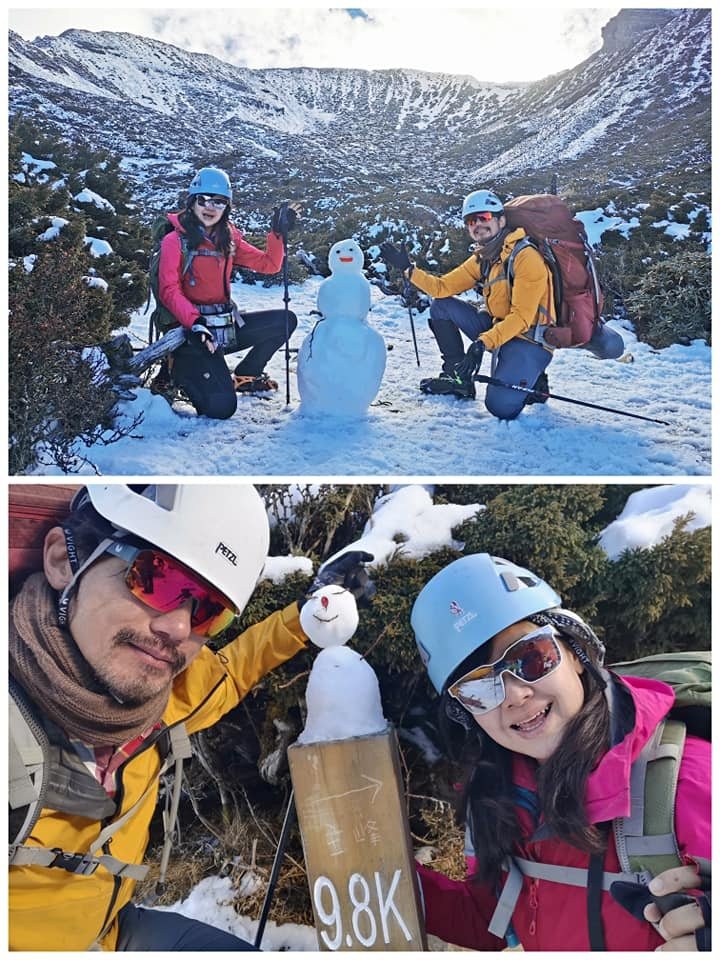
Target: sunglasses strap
77,570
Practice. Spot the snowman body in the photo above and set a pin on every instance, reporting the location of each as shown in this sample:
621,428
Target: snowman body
343,694
342,361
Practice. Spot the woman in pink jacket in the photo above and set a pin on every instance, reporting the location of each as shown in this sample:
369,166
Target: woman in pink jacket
551,738
197,258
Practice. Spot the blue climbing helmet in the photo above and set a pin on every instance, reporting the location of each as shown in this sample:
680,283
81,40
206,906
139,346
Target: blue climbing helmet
211,180
467,603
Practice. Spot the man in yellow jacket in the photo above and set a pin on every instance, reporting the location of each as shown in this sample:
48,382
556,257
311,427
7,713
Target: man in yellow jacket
109,666
511,320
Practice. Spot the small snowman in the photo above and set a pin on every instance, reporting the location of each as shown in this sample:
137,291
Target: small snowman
341,363
343,695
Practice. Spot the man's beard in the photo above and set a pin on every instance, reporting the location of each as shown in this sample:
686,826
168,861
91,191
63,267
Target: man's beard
143,686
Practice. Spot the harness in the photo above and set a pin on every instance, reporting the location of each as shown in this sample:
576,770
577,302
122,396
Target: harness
37,780
645,841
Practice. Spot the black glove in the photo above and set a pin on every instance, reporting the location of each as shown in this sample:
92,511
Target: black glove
346,571
284,219
199,333
395,256
470,364
634,897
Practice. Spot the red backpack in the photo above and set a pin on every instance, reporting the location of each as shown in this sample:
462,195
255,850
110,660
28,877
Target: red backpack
562,242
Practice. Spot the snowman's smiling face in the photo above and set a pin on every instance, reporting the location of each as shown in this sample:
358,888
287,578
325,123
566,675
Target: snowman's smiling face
346,255
329,617
323,609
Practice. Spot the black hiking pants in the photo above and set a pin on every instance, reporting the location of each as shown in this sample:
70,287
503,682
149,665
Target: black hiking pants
205,376
264,332
143,929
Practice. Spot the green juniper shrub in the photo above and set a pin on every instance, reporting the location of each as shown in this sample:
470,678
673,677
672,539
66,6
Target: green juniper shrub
467,493
658,599
671,303
62,298
547,529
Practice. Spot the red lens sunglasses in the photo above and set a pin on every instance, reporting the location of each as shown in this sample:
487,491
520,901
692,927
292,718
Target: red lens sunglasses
164,584
482,216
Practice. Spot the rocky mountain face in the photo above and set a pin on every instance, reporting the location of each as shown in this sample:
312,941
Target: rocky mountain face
635,111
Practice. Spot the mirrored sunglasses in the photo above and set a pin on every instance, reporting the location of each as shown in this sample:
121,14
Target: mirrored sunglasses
216,203
483,216
164,584
530,659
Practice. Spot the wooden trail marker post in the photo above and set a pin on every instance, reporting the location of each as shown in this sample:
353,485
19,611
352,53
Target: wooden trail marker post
358,852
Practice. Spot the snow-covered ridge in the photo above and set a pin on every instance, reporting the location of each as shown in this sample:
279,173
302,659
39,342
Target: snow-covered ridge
161,77
145,98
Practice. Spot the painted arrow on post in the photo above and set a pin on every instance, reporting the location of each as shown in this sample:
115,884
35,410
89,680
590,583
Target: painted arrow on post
374,784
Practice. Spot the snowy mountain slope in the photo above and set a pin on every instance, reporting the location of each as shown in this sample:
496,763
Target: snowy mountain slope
408,433
366,131
592,106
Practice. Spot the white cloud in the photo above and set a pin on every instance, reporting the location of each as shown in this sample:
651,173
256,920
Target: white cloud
491,44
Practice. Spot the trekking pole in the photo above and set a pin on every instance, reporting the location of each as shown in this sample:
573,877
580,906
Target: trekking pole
482,378
286,300
275,872
407,293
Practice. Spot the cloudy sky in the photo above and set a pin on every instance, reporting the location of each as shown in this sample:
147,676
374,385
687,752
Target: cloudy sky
494,43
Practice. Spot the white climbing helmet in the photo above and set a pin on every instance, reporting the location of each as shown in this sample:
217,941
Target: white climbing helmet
480,200
467,603
219,532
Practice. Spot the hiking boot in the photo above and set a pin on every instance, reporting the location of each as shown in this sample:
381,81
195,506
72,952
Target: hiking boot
540,384
162,384
255,383
450,384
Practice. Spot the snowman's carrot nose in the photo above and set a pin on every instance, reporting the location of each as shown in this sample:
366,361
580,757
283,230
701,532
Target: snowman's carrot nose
324,601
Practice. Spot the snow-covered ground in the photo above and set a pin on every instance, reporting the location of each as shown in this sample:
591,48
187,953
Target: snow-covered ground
410,434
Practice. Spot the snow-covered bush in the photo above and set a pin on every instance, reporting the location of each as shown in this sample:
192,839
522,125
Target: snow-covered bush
62,298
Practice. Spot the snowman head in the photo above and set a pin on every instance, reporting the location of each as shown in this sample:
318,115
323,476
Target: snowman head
346,257
330,616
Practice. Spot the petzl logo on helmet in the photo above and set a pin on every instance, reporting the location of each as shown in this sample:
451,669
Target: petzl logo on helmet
464,620
227,553
455,609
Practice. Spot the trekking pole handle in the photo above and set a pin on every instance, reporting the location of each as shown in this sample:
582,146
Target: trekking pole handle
483,378
406,291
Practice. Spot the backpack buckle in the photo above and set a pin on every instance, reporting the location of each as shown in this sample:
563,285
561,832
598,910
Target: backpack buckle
80,863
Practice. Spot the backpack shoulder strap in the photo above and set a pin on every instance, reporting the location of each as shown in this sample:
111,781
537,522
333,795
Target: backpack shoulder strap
86,863
646,839
27,764
646,842
187,254
521,244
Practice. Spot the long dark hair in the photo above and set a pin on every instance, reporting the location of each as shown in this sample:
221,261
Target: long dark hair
488,799
221,236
